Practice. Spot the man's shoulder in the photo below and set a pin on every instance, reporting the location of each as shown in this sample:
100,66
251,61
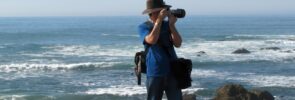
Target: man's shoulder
145,24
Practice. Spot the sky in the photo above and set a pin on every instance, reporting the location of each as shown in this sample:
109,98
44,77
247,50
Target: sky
135,7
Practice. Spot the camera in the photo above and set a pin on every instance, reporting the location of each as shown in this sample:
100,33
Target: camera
179,13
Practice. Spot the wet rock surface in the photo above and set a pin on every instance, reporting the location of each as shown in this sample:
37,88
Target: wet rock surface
241,51
238,92
189,97
271,48
200,53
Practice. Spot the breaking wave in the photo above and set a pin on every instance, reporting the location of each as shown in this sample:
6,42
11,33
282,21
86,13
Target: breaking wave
250,78
33,67
122,90
207,51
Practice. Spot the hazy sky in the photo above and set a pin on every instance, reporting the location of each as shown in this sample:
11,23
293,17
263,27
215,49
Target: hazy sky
135,7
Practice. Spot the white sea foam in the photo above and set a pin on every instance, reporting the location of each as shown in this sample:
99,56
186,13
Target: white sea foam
123,90
119,90
44,60
89,50
264,36
222,50
23,97
31,67
105,34
269,81
191,90
250,78
208,73
12,97
215,50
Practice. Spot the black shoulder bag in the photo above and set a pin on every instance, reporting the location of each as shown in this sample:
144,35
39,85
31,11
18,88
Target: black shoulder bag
140,58
140,65
181,69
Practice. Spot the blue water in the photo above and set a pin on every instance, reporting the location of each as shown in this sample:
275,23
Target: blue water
91,58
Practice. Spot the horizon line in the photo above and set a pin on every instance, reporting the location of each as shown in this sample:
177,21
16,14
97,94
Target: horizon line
146,16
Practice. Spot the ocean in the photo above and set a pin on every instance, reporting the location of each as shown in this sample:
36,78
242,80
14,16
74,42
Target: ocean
91,58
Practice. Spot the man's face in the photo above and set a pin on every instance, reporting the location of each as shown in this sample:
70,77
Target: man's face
154,15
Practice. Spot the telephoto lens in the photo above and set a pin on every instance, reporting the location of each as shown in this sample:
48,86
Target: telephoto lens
179,13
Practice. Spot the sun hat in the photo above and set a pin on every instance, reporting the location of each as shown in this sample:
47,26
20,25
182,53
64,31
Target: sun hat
154,5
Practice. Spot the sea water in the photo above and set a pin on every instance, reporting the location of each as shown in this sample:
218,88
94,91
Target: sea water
91,58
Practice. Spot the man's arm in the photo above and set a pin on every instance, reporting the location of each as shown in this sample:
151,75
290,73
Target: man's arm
176,38
153,37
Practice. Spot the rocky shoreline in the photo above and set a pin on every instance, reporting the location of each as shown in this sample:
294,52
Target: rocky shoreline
246,51
235,92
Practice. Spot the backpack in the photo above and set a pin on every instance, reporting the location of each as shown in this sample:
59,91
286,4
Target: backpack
182,69
140,65
140,59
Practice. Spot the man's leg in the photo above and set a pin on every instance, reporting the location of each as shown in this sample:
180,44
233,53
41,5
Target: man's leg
155,88
172,91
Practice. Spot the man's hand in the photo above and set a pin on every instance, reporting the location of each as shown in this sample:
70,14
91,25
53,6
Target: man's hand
176,38
163,13
172,19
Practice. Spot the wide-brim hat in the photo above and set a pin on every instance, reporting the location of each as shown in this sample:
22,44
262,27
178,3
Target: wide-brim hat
154,5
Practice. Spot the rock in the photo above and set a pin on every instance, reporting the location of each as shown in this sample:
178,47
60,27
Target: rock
229,92
241,51
271,48
189,97
288,51
263,95
233,89
238,92
200,53
251,96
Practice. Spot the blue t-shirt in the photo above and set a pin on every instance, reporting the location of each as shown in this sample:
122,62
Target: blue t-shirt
160,54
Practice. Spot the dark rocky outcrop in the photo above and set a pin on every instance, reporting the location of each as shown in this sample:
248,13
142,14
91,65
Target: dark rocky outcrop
288,51
241,51
200,53
263,95
189,97
238,92
271,48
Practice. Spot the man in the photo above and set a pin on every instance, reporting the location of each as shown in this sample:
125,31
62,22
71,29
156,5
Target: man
160,37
